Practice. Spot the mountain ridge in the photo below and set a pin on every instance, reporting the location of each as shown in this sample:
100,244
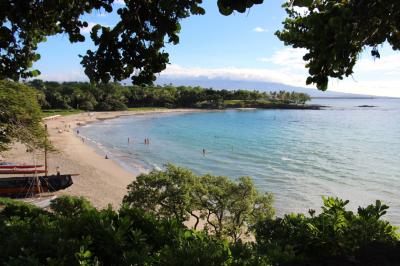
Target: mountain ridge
229,84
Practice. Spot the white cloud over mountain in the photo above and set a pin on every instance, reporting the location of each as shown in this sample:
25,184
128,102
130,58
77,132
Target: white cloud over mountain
286,66
234,73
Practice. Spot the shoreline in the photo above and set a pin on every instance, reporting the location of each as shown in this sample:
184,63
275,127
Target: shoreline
102,181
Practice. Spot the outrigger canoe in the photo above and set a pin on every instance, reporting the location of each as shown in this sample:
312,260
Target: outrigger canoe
12,166
22,187
21,172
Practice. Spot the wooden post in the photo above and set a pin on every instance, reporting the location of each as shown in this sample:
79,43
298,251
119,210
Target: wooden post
45,150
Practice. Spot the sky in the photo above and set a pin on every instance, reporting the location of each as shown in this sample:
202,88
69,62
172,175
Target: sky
238,47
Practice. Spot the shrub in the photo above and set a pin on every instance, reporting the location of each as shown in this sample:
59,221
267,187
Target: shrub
334,233
225,207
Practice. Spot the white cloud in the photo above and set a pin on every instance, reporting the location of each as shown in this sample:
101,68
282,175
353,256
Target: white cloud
259,29
303,11
387,64
375,77
288,58
86,30
65,75
234,73
119,2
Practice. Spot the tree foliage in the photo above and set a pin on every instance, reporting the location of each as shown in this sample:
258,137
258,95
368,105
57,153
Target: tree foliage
72,232
335,233
132,48
227,7
226,208
75,233
333,32
20,116
336,32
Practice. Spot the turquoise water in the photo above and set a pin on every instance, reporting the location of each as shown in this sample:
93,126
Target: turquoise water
298,155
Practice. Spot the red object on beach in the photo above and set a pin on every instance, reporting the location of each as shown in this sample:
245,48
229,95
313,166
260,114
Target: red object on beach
20,166
17,171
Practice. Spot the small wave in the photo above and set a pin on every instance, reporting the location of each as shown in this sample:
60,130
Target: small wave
155,166
286,159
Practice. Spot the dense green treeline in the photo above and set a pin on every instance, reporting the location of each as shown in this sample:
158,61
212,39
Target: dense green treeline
113,96
149,228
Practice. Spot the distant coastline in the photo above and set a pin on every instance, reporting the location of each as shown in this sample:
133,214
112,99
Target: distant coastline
352,97
277,106
348,98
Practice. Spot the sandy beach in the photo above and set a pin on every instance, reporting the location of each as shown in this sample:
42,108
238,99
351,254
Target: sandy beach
100,180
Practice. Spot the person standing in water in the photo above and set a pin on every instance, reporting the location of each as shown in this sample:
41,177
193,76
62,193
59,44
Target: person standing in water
204,152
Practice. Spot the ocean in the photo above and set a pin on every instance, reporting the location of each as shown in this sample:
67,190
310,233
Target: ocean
298,155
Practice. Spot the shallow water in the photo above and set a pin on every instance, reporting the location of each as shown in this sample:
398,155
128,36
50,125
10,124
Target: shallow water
298,155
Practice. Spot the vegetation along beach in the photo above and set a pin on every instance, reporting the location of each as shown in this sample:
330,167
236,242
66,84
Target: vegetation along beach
190,132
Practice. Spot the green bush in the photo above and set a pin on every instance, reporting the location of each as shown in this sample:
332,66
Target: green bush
335,232
225,207
75,233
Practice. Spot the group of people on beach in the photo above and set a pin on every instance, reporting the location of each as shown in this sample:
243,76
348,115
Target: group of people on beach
146,141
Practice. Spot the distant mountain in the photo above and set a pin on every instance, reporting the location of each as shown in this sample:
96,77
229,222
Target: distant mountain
254,85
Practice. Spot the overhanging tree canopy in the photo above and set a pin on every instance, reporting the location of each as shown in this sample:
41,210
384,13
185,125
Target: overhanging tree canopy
334,33
130,48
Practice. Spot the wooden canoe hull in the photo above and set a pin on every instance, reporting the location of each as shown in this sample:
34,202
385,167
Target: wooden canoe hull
20,166
21,187
21,171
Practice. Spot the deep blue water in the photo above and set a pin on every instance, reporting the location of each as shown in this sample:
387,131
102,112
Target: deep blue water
298,155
